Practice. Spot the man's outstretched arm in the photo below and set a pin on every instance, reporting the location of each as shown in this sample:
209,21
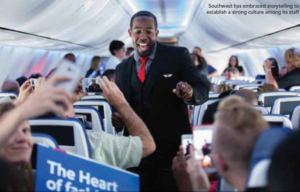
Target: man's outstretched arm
134,124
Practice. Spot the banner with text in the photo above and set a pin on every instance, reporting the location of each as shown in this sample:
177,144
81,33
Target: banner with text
57,171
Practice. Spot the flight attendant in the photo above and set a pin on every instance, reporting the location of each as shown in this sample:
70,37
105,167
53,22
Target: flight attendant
159,81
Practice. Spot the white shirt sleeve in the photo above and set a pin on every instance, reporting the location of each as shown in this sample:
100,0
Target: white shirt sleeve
118,151
112,63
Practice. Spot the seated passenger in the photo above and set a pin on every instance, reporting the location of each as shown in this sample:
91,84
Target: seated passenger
201,66
266,88
110,74
291,78
212,72
237,128
231,73
10,86
221,88
234,62
96,68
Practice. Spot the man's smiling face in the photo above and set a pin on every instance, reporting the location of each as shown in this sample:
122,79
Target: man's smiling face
143,34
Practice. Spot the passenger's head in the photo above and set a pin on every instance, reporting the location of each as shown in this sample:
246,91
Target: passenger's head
237,128
249,96
117,49
292,59
10,86
110,74
222,88
129,51
198,51
18,147
35,76
21,80
284,171
70,57
266,88
233,61
275,67
95,62
231,73
143,32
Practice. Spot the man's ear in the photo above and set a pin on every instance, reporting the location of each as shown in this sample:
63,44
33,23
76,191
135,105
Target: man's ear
156,32
129,32
221,164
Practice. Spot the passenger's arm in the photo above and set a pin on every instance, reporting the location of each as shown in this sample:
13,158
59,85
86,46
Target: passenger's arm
269,76
134,124
213,74
40,102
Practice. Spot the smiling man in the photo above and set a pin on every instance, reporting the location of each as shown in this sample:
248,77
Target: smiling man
159,81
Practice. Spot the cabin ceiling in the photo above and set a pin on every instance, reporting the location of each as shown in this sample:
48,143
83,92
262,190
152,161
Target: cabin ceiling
88,26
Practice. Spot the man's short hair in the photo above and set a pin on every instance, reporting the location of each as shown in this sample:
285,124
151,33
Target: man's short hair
10,86
238,126
110,73
292,56
248,95
115,45
284,171
143,14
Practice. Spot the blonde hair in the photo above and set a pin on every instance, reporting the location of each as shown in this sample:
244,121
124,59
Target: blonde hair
222,88
266,88
238,126
292,56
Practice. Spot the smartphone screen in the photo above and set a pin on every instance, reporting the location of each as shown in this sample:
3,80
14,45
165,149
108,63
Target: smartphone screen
186,140
202,136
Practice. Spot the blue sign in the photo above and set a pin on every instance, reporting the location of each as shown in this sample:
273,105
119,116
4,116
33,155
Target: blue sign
58,171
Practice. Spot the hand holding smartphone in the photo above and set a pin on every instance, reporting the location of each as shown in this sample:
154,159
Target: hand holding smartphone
68,68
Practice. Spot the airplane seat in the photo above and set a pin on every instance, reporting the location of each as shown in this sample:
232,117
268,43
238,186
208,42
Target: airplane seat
295,117
245,86
93,97
261,156
203,109
11,95
213,96
70,134
278,121
268,98
295,88
285,106
217,80
92,117
104,109
263,110
195,114
44,139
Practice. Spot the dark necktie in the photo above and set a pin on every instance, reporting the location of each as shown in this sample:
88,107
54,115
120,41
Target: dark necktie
142,70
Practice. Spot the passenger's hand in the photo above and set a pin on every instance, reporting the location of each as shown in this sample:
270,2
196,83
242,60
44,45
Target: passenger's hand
117,121
183,90
111,92
39,83
25,91
47,98
268,65
189,174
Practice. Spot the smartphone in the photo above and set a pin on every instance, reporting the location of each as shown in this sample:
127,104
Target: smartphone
202,137
186,141
91,85
33,82
70,69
